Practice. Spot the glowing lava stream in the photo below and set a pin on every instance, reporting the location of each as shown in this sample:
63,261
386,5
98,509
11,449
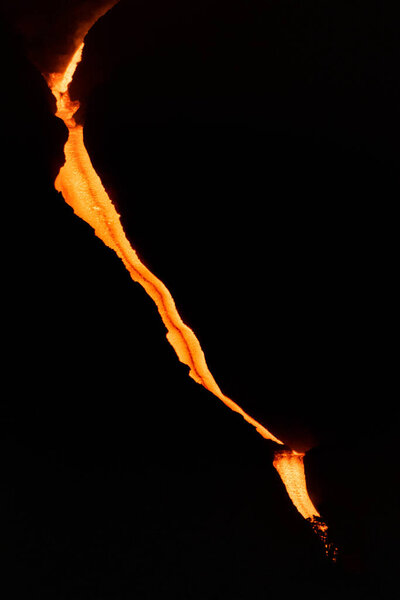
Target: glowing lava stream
82,189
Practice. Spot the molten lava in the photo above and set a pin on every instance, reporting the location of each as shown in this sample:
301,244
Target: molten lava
82,189
290,466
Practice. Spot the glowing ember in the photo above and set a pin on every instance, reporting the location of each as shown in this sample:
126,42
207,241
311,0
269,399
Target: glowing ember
82,189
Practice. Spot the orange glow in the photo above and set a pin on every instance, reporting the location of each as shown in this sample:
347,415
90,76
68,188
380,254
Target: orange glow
82,189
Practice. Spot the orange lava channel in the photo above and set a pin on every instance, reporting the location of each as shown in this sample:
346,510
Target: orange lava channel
82,189
290,466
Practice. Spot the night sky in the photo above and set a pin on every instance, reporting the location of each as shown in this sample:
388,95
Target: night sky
252,151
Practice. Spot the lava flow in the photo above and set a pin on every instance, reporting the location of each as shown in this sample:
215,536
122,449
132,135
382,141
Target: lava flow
82,189
290,466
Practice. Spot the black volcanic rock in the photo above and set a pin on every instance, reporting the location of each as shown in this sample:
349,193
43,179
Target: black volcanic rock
122,476
356,487
27,112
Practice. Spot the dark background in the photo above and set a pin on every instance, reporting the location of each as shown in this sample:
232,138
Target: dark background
251,149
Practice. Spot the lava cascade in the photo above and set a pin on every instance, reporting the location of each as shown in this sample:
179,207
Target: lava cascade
290,466
82,189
